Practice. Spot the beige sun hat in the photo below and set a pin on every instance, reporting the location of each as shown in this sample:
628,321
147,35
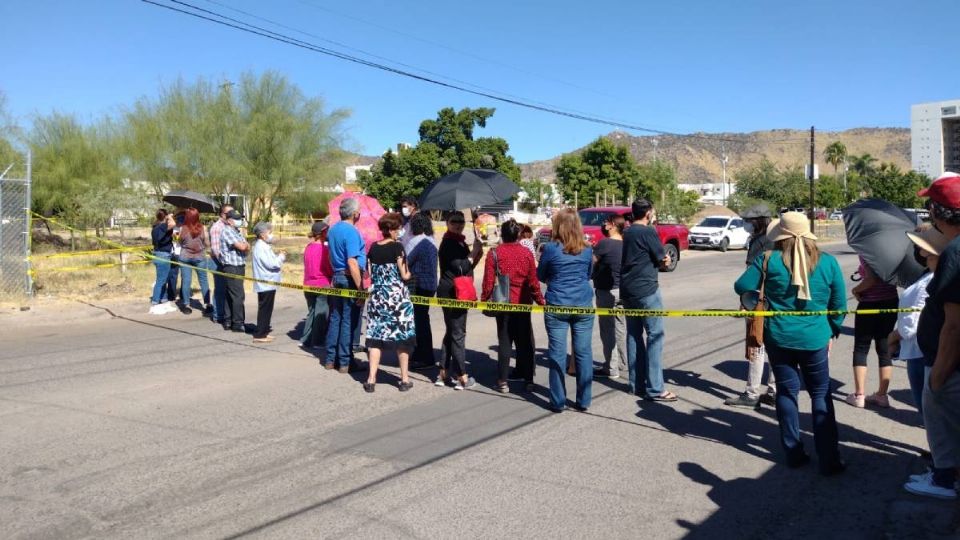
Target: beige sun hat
930,240
795,225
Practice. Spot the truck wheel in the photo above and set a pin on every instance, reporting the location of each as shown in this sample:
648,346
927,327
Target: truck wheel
724,244
674,254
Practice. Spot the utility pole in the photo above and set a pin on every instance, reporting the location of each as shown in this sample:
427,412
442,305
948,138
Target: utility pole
812,213
723,185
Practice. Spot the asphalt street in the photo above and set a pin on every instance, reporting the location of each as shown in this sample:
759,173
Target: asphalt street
117,424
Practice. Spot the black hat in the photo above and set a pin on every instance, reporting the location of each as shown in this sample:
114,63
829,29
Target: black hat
233,214
318,228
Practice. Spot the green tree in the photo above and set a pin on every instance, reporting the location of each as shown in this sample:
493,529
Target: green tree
835,154
262,138
783,188
658,182
447,144
76,170
863,165
892,184
602,166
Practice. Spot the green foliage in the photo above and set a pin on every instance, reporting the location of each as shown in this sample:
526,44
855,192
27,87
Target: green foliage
864,165
891,184
766,182
447,144
265,140
602,166
835,154
658,182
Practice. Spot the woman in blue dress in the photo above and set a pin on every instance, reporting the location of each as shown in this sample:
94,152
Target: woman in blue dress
389,310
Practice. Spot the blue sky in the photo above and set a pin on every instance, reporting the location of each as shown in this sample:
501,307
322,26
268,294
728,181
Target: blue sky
678,65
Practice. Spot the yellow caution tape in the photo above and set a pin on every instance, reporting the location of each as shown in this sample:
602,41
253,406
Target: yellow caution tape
533,308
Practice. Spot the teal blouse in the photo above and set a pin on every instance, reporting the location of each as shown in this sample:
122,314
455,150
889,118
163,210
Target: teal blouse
827,292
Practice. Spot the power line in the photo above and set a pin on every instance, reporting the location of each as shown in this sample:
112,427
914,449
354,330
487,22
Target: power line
244,26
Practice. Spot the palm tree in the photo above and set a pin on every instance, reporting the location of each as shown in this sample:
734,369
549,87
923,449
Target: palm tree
863,165
835,154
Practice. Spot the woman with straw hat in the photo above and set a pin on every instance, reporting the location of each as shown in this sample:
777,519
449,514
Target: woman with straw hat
800,278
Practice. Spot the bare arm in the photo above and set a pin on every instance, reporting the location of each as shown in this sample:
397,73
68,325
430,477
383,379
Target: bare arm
948,353
404,271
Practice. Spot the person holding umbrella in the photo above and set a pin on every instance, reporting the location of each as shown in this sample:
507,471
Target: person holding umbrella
799,277
457,259
872,293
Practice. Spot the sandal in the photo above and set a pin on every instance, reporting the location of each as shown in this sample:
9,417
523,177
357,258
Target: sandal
369,387
666,397
404,386
503,388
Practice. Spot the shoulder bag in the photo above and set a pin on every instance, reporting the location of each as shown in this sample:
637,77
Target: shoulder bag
501,286
755,324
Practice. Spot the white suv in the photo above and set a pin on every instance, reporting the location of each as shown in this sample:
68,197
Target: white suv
719,232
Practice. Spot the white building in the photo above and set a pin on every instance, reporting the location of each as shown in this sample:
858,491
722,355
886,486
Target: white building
935,137
712,193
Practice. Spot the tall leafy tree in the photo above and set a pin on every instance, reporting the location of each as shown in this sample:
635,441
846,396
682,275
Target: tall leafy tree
766,182
864,165
447,144
602,166
835,154
892,184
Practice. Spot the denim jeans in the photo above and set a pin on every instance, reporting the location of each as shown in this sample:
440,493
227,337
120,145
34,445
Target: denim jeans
812,367
613,332
644,360
341,326
172,276
915,369
219,291
582,328
200,267
162,264
315,326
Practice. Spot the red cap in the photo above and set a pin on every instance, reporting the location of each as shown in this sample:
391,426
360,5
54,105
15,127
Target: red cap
944,190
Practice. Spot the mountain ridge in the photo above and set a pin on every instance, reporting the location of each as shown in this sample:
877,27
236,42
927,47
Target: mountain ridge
696,157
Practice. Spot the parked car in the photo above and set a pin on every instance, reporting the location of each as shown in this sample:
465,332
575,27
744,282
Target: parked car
673,236
719,232
836,215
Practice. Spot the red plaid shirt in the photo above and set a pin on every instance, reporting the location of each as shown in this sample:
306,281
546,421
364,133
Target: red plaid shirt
517,262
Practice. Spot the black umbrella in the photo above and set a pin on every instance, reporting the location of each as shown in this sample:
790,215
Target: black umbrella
759,210
875,230
182,198
468,188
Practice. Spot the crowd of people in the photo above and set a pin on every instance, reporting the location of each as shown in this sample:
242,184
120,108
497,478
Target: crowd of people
784,264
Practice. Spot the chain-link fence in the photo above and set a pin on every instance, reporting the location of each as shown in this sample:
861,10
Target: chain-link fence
15,221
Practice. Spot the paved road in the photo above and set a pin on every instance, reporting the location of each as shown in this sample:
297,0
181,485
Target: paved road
125,426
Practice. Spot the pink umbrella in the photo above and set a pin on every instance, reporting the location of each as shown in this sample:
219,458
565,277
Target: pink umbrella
370,214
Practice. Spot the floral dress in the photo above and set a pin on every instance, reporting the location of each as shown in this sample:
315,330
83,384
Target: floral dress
389,310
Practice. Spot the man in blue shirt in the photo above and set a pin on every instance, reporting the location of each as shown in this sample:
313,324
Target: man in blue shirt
347,257
642,257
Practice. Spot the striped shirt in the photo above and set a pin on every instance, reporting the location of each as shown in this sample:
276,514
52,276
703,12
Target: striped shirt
215,230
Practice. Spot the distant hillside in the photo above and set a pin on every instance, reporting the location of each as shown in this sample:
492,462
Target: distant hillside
697,158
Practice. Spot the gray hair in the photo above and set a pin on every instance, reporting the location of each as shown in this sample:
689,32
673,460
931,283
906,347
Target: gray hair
261,228
349,207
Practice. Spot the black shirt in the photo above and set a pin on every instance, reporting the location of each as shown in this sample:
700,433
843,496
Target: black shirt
642,253
385,253
943,288
162,237
756,245
606,273
454,258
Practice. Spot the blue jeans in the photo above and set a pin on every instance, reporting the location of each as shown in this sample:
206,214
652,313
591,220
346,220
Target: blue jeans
172,279
341,326
162,264
219,291
645,359
582,328
915,377
200,267
790,366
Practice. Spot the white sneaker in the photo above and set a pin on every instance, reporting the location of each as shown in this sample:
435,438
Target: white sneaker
927,488
170,307
157,309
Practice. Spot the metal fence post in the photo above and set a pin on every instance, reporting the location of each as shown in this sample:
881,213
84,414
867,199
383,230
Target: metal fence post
28,233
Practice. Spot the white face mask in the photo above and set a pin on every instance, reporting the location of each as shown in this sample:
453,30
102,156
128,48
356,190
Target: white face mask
405,211
270,238
235,223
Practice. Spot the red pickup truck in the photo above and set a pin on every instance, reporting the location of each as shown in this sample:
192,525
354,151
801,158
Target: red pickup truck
673,236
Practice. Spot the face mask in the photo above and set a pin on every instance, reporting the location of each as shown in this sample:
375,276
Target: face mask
270,238
405,211
605,231
235,223
748,227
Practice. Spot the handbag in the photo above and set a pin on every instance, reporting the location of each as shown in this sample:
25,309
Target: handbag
755,323
501,287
